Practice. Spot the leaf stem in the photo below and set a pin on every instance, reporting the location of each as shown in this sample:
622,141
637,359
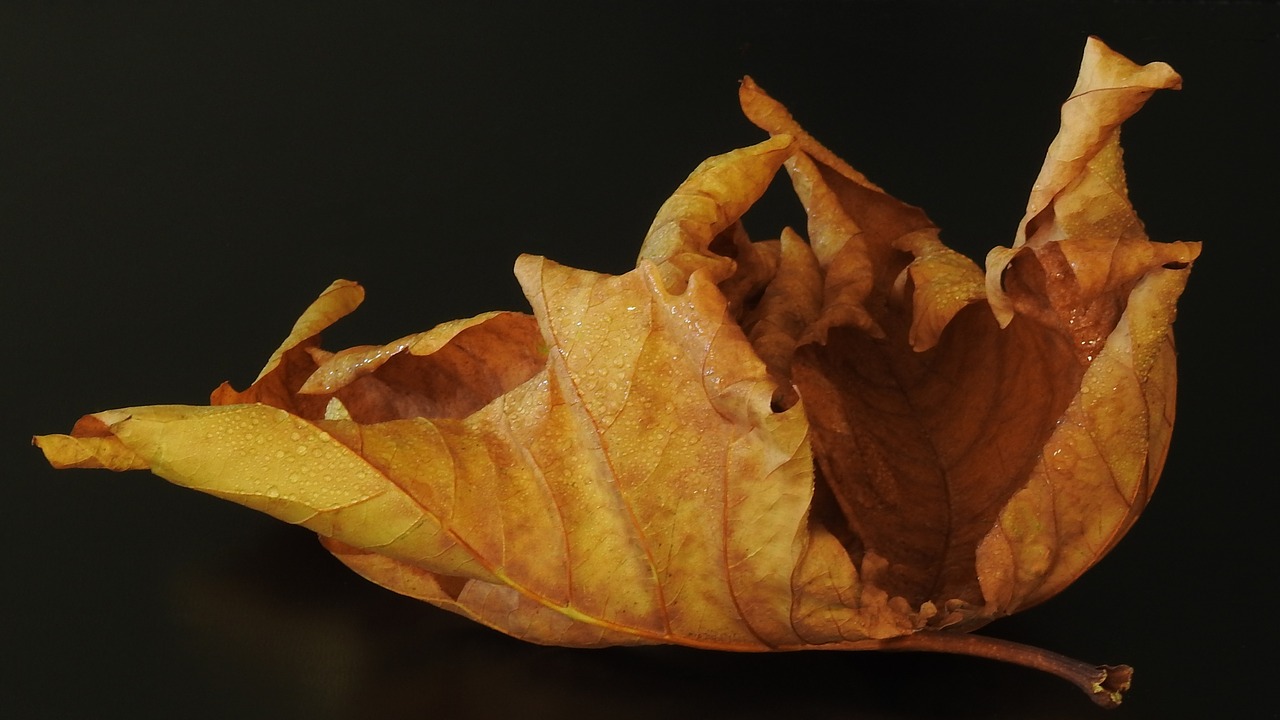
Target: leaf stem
1104,684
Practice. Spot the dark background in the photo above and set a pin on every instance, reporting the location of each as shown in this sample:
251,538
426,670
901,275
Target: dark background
178,180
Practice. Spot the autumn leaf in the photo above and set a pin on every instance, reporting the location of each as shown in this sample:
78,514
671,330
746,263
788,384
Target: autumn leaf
859,441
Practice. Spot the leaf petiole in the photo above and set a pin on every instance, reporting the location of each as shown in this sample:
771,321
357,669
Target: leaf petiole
1104,684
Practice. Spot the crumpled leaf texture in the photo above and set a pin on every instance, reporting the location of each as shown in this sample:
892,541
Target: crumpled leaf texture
740,445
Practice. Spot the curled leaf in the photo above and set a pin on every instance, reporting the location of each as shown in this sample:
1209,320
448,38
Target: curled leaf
860,441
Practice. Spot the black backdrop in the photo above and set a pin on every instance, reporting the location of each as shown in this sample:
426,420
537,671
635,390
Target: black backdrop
180,179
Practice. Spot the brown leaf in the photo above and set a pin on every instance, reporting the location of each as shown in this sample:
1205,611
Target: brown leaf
863,441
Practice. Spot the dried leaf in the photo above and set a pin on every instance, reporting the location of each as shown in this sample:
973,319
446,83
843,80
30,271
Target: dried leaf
863,441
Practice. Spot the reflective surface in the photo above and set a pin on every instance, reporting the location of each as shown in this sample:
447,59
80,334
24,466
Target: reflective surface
179,183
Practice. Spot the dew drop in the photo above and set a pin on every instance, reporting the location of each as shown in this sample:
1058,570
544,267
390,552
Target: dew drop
1055,459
